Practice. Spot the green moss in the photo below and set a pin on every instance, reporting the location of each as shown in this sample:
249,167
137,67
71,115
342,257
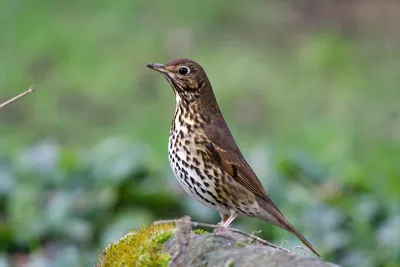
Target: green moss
239,244
139,248
200,231
164,236
230,263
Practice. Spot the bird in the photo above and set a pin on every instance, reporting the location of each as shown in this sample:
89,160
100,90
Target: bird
204,156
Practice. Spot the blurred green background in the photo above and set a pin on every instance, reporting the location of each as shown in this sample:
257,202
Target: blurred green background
309,88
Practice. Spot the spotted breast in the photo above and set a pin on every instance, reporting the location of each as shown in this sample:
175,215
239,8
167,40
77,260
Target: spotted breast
187,157
198,175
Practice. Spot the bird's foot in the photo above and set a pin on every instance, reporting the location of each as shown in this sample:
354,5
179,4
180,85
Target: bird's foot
221,229
226,220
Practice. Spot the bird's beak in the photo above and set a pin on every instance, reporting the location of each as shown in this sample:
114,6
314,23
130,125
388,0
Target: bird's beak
157,67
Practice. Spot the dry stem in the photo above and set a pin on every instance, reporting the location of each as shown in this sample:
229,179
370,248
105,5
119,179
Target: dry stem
30,90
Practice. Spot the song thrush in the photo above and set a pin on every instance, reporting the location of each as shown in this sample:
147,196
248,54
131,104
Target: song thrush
204,156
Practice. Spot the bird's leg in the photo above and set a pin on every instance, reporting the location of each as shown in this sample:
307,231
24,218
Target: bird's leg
230,219
220,226
224,218
225,222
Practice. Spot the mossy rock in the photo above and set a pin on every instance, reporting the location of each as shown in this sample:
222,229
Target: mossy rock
139,248
153,246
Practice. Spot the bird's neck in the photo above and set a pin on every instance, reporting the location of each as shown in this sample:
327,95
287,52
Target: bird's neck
194,115
197,113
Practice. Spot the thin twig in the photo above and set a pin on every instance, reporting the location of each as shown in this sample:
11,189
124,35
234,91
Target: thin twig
30,90
197,224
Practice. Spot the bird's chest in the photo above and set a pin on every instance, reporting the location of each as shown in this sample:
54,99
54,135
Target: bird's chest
188,161
184,157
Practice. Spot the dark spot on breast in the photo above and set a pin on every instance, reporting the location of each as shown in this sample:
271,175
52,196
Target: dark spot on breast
225,190
218,191
223,200
187,142
202,197
239,209
234,202
207,165
206,184
196,162
197,170
187,150
197,140
215,197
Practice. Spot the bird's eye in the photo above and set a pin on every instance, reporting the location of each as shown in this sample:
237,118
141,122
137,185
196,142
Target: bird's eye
184,70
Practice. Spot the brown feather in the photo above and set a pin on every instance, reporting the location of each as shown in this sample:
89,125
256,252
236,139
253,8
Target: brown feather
225,152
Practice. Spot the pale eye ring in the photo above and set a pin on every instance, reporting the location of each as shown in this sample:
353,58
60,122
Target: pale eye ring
184,70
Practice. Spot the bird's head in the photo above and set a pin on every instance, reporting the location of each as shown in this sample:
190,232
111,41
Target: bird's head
187,78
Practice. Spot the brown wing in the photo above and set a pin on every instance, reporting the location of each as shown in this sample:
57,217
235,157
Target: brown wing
223,149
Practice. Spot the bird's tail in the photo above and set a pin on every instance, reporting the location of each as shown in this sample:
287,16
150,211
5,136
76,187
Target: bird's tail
293,230
273,215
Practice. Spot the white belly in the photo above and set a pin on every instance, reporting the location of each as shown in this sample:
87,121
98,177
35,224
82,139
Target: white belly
190,175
